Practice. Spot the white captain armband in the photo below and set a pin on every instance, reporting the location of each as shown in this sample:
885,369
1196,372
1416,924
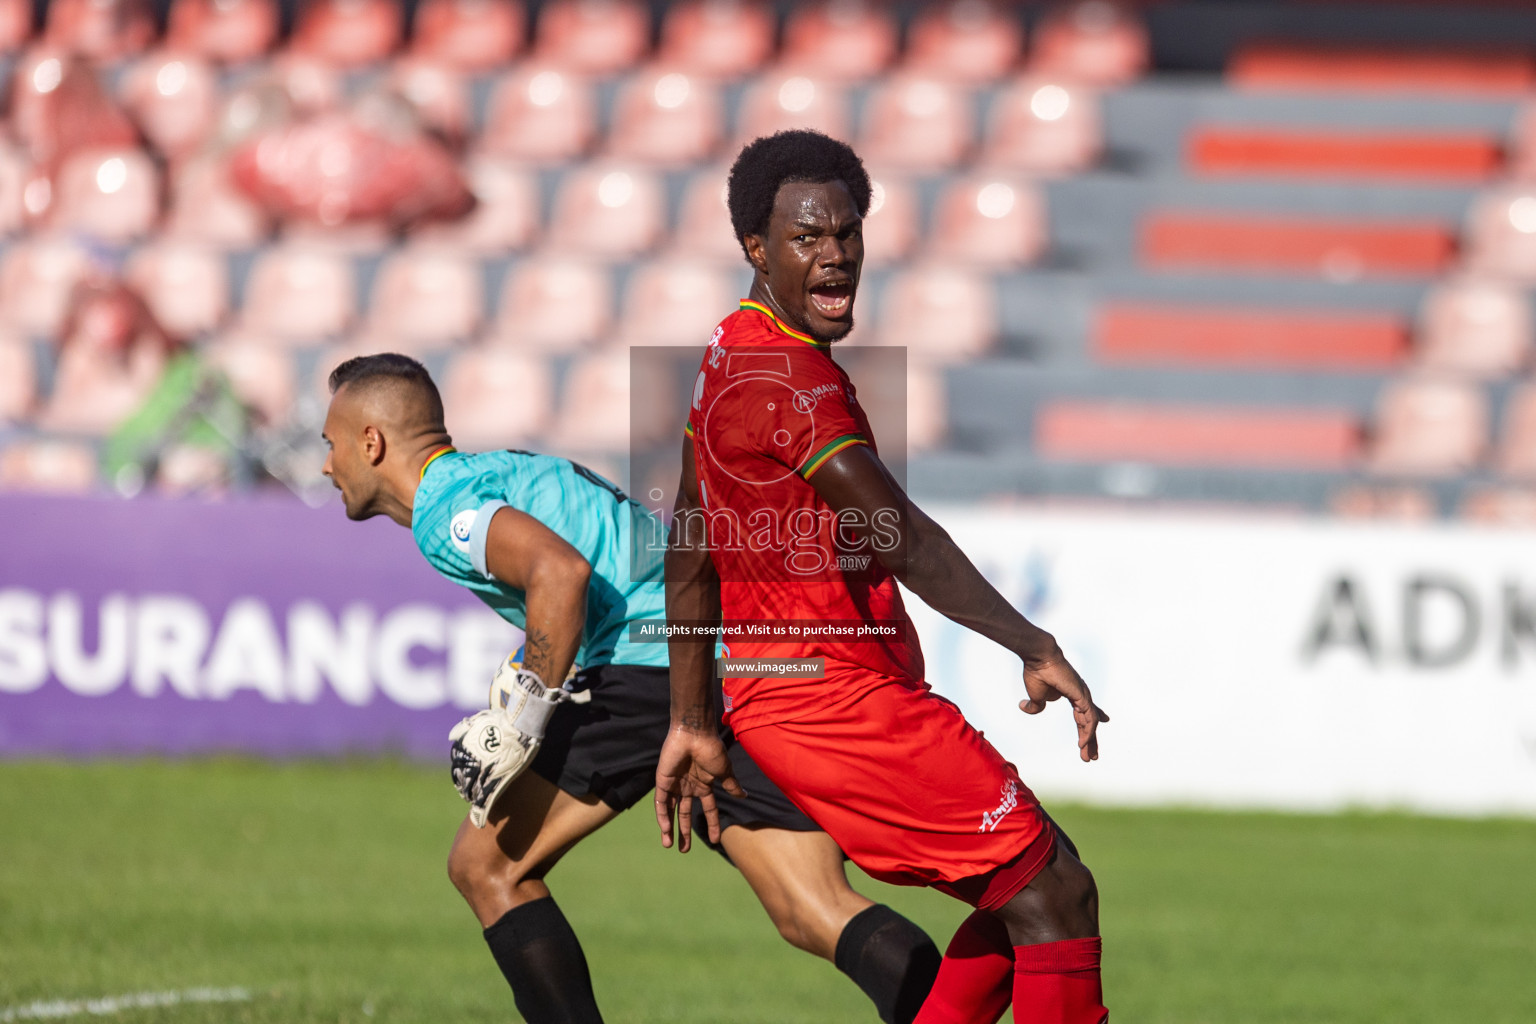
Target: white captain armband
478,534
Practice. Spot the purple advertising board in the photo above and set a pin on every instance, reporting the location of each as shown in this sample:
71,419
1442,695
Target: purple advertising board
256,626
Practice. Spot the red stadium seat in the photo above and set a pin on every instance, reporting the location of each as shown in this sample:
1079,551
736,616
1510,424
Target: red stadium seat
1127,332
261,373
427,296
347,33
18,379
995,222
722,38
1429,426
917,123
1091,41
299,294
674,302
102,30
704,230
436,92
554,304
783,100
185,285
969,41
471,36
1101,431
36,278
608,210
1476,326
232,31
1516,456
1327,67
594,414
1317,153
541,113
891,228
15,23
1500,506
15,174
49,466
595,37
1044,126
1500,233
1335,248
497,398
927,408
1370,501
113,195
506,213
174,99
666,118
206,207
850,39
940,313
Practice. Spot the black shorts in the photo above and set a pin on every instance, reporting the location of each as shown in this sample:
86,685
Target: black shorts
608,748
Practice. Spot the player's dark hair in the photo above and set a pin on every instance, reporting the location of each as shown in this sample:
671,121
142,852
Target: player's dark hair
766,164
391,365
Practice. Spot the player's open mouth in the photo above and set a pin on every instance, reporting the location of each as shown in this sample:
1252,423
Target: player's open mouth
832,300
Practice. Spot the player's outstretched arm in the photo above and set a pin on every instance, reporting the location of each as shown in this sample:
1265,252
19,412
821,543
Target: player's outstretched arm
526,555
926,559
692,758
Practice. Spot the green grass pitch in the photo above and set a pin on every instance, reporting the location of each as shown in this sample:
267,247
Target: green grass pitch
321,889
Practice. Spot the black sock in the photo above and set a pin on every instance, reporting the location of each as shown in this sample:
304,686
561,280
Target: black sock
535,948
891,959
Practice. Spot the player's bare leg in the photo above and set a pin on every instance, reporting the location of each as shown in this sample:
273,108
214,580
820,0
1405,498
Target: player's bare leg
800,879
500,872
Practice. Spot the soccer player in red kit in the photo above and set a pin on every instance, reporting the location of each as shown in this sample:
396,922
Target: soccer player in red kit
790,529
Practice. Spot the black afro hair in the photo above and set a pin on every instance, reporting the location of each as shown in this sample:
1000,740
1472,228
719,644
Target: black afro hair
766,164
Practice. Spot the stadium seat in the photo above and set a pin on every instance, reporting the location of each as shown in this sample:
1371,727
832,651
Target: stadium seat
851,40
1212,336
704,230
299,294
891,228
174,99
674,301
1429,156
1340,67
927,408
719,38
665,118
207,207
232,31
917,123
112,195
470,36
185,285
36,278
1044,126
427,296
1516,455
15,24
311,84
1095,42
554,304
1476,326
47,465
15,173
1105,431
608,210
436,92
995,222
261,373
939,312
347,33
1371,501
783,100
102,30
1429,426
969,41
497,398
594,37
542,114
1500,233
18,378
1500,506
594,413
506,213
1337,248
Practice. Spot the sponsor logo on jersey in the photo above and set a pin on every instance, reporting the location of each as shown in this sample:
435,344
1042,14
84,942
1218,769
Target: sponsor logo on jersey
460,528
990,819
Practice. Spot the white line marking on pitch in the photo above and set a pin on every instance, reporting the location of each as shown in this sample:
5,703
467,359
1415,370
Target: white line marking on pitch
117,1004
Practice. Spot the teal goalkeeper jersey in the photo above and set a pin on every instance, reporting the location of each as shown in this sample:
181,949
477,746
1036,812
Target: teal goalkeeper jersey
623,541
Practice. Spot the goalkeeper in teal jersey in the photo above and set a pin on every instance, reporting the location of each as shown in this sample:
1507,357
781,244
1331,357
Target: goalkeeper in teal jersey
565,555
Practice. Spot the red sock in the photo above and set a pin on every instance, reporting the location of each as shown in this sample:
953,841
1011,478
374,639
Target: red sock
1058,983
975,979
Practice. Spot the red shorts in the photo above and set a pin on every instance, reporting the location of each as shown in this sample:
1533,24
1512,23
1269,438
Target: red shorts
911,791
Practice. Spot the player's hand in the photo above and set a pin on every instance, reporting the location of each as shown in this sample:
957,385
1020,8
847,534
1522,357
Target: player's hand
1053,679
691,761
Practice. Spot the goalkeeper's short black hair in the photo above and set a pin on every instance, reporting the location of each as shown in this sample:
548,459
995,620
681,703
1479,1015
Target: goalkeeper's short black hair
768,163
393,371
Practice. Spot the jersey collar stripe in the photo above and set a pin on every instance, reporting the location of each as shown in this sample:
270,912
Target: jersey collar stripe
819,459
444,450
758,307
688,429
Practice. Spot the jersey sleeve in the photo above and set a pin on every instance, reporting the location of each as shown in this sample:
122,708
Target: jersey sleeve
455,528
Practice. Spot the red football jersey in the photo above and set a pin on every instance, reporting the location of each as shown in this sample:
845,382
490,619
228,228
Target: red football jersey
770,407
